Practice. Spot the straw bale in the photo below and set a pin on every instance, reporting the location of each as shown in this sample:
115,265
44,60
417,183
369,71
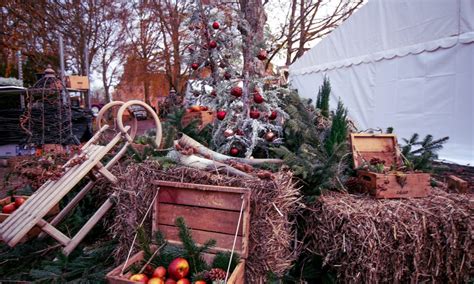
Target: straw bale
366,240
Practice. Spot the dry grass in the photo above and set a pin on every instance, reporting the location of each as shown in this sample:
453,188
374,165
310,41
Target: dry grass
408,240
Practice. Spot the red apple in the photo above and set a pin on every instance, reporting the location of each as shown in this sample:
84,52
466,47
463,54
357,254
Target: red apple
19,201
236,91
212,44
183,281
156,280
195,66
141,278
272,115
178,268
170,281
159,272
9,208
215,25
221,114
254,114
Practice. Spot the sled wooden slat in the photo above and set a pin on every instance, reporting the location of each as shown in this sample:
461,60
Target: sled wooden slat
34,203
27,216
31,213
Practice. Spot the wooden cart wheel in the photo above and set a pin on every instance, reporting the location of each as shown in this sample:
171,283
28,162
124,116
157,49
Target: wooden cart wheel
100,120
150,110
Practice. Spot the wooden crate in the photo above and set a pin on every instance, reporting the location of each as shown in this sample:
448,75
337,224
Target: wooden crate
77,82
35,231
211,212
456,184
389,185
204,117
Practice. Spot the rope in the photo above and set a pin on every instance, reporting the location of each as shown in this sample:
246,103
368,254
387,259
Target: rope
235,238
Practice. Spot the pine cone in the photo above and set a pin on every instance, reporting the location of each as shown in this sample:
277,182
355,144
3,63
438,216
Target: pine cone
217,274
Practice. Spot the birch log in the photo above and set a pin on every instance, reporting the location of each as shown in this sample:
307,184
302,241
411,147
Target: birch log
186,141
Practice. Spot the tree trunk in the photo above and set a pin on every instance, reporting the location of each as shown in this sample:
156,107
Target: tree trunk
255,16
291,30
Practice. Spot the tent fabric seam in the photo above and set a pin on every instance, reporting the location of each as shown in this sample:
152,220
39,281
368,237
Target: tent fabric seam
444,43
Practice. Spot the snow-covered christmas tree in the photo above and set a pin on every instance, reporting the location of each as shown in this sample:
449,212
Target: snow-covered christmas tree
248,117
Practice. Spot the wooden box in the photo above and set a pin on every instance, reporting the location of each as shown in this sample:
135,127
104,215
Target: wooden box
204,117
35,231
77,82
211,212
384,147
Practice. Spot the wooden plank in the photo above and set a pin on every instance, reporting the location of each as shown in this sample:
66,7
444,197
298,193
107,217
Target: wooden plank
71,205
213,220
182,185
88,226
53,232
115,276
238,275
106,173
245,226
457,184
19,233
224,241
200,198
409,185
36,201
41,200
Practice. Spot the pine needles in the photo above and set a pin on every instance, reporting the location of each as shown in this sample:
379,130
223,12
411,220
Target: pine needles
421,154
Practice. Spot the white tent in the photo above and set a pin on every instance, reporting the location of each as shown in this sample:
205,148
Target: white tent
402,63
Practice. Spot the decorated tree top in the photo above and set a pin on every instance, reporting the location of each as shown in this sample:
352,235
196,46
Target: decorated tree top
248,117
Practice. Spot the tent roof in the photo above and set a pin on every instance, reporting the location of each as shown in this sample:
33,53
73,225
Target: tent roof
388,28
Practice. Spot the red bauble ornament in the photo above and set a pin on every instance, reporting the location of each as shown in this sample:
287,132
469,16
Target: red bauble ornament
214,93
272,115
215,25
227,75
212,44
234,151
257,98
228,132
262,54
236,91
194,66
221,114
269,136
254,114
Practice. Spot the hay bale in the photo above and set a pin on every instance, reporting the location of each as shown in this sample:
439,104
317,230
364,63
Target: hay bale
274,203
409,241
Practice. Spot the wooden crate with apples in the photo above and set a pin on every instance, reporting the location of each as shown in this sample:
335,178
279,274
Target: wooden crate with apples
204,117
11,199
211,212
383,148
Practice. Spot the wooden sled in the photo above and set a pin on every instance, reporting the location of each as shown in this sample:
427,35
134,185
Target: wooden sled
33,211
